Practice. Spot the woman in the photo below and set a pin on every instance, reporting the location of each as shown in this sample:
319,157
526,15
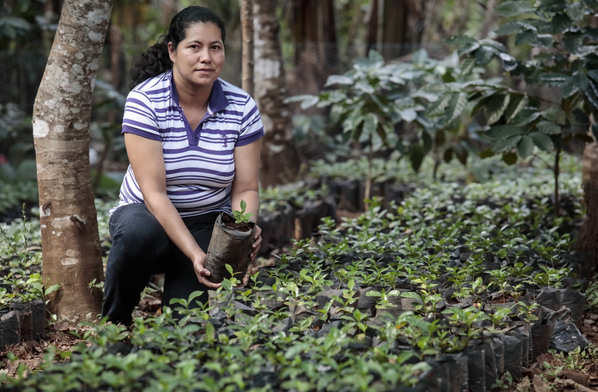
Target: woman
193,142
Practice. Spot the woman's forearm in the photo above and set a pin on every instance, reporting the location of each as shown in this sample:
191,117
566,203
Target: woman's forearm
251,198
172,223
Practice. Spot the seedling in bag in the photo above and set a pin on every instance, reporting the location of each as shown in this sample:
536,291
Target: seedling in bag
242,216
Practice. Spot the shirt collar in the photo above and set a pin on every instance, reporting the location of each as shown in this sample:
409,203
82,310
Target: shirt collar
218,100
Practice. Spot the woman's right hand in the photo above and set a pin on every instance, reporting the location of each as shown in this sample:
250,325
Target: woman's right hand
202,273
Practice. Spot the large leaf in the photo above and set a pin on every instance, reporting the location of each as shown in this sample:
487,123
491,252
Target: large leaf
543,142
525,37
555,114
485,54
570,86
503,131
592,4
552,5
509,28
370,123
560,23
407,114
548,128
416,156
456,106
576,11
439,105
514,8
525,147
545,40
506,144
496,107
467,65
517,103
553,79
572,41
460,40
339,79
525,116
591,33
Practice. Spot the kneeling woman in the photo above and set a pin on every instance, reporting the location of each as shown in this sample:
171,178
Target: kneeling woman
193,142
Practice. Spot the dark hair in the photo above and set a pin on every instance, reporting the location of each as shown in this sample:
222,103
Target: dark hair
156,60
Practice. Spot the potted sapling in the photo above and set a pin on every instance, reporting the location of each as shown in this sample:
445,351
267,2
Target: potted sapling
231,244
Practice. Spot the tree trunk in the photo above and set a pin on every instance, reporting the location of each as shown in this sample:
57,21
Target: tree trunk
587,238
280,160
61,117
247,81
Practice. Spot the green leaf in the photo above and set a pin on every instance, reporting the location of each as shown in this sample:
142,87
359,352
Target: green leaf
543,142
591,33
506,144
408,114
509,28
448,155
593,73
514,8
339,79
525,147
525,37
576,11
560,23
570,87
572,41
592,4
552,5
456,106
548,128
51,289
503,131
427,141
467,65
438,106
487,153
508,62
460,40
545,40
496,107
555,114
485,54
516,104
554,79
416,156
510,158
370,123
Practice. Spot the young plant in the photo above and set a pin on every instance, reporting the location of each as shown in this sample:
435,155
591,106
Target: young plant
242,216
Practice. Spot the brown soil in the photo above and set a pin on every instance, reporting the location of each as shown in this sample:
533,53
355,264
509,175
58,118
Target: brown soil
230,222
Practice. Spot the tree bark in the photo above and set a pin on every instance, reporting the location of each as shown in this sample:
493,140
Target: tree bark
279,158
61,117
587,238
247,81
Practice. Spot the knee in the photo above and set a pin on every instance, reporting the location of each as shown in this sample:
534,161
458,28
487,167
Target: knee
137,228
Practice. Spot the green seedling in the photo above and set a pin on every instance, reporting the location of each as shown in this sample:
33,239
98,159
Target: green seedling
242,216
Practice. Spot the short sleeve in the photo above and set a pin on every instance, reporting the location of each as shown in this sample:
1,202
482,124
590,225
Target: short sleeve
252,128
140,117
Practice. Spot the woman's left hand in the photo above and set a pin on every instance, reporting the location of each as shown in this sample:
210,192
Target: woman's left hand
257,241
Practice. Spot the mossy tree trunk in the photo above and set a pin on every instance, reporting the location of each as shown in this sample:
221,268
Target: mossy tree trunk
61,118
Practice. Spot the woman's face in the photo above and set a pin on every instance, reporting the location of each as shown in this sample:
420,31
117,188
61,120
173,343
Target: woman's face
199,58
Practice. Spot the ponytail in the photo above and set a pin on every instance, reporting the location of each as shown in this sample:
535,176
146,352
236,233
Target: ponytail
151,63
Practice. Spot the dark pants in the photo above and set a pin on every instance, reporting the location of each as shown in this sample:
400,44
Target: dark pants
140,249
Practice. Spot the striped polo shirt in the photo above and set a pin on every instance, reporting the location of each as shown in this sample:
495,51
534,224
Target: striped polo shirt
200,165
